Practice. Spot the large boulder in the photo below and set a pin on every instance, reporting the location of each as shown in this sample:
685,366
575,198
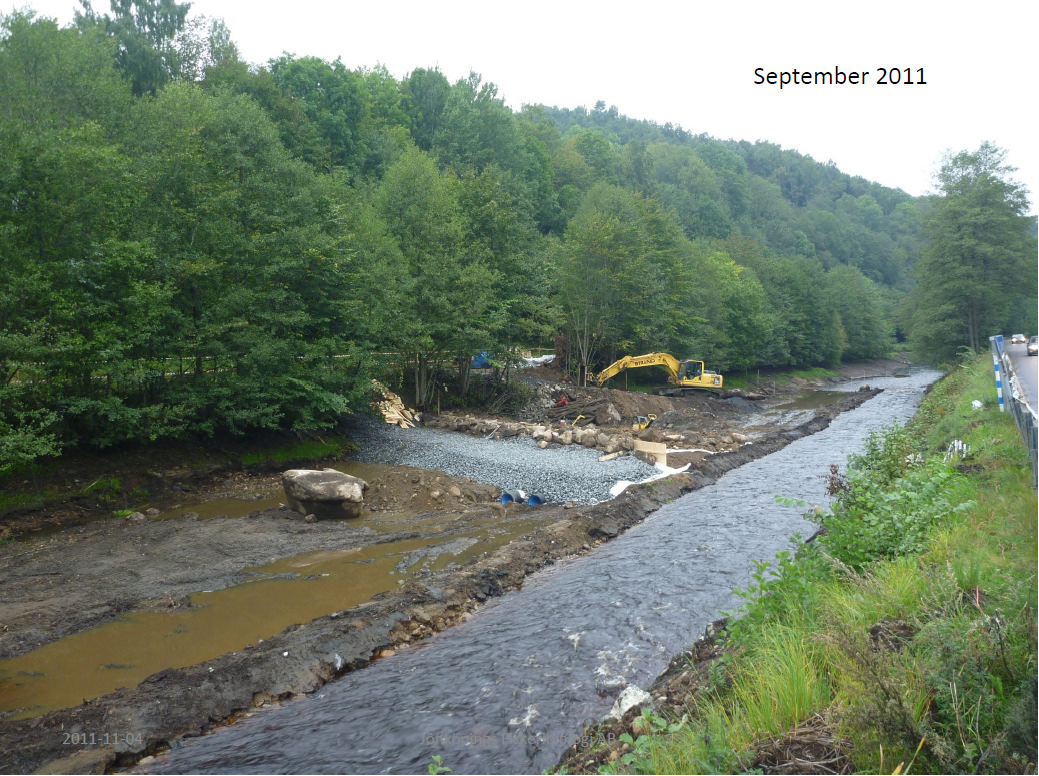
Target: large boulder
608,416
327,494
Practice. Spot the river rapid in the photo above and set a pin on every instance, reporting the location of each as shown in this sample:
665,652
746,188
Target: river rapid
510,689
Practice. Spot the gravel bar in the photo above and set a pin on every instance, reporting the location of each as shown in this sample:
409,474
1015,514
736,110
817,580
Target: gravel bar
558,474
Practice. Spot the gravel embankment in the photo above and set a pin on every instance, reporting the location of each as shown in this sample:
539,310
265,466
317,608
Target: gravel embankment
557,474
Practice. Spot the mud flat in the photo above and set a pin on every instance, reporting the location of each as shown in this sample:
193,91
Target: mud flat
68,581
119,728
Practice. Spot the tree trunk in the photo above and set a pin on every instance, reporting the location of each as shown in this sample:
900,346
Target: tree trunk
465,370
972,324
418,382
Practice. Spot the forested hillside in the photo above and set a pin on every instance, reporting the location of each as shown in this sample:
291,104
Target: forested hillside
195,245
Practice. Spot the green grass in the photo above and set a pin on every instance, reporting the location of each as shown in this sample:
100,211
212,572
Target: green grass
815,373
299,451
778,682
105,488
915,653
737,381
751,380
18,499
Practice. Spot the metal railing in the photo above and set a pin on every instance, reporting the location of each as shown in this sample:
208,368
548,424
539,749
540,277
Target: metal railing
1011,399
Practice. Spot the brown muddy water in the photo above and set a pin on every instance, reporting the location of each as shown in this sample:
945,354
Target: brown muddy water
809,400
286,592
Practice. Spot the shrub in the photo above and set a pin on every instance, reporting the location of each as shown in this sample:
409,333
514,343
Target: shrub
888,501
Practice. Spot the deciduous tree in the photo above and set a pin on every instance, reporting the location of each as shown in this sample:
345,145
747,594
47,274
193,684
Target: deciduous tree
145,31
979,251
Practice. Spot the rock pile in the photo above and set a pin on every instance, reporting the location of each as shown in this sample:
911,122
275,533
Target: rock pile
609,441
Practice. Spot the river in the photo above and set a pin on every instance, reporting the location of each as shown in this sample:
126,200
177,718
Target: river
506,691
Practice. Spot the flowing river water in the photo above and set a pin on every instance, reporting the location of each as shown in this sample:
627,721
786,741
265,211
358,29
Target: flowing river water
508,690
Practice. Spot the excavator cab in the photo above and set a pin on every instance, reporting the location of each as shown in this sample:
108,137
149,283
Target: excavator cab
690,370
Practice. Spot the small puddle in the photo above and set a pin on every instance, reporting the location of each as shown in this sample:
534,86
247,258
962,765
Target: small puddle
787,414
226,507
286,592
811,400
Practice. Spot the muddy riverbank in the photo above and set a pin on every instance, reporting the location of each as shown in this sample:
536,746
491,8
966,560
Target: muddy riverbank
186,701
72,580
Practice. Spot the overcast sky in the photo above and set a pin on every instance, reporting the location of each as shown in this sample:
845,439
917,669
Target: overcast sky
692,64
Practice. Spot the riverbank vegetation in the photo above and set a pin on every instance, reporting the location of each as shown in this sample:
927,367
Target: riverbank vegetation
193,245
901,640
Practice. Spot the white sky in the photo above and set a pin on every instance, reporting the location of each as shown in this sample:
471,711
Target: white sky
692,64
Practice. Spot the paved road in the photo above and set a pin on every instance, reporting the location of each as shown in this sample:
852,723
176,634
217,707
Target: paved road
1027,368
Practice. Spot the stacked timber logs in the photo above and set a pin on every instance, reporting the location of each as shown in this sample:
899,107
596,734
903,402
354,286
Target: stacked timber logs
392,408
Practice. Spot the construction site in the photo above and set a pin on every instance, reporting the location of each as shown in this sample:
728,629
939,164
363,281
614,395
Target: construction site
214,582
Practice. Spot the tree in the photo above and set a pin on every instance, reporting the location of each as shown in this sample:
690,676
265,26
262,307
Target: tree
731,173
425,97
450,292
969,278
203,44
52,77
146,32
624,279
685,184
807,329
476,128
335,100
500,233
389,133
735,321
597,151
858,303
260,259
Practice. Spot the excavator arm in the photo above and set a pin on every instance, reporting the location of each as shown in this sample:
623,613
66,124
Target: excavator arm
630,362
684,374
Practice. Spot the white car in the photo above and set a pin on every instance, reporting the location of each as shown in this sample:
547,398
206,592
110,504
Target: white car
1018,339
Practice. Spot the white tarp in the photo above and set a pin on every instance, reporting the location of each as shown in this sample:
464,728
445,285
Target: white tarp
539,360
662,471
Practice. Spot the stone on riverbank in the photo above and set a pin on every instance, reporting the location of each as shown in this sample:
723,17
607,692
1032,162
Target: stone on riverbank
327,494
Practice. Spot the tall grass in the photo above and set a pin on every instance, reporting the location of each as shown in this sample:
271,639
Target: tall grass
778,683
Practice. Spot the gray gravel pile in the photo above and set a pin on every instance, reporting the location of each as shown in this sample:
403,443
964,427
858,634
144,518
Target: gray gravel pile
557,474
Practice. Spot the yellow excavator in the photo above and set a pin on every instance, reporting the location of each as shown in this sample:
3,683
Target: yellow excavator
642,422
682,374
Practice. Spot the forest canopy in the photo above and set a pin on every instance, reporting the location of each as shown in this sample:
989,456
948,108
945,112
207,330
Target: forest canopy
195,245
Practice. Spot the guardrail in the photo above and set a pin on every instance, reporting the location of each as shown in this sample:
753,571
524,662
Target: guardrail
1012,401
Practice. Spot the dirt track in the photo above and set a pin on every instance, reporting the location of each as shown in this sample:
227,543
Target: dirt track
156,564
